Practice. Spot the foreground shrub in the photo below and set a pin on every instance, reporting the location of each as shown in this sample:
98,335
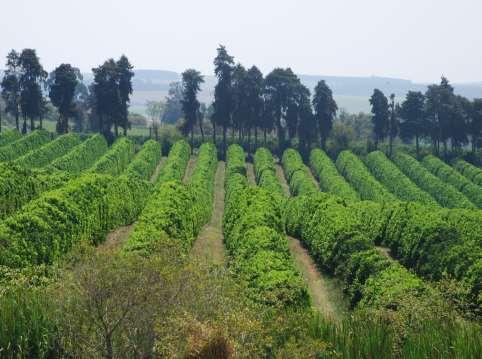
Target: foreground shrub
23,145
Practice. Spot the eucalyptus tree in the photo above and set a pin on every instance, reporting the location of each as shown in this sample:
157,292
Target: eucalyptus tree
380,113
191,85
173,110
392,123
475,125
223,92
125,75
413,119
254,97
63,82
11,86
325,109
32,77
307,124
241,105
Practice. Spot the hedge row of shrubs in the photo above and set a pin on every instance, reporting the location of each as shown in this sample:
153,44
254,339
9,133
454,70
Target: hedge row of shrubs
116,159
47,153
176,212
392,178
84,209
82,156
145,162
329,178
297,174
9,136
24,145
265,171
470,171
254,235
444,193
447,174
358,175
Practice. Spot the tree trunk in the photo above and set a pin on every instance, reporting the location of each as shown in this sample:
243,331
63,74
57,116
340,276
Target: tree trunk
249,139
42,123
225,130
108,346
32,124
417,146
255,137
116,129
214,133
0,120
390,145
265,136
240,137
192,140
24,128
17,121
202,131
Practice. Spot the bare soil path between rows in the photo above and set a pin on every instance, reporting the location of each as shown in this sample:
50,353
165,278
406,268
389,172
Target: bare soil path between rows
119,235
250,173
326,294
209,245
189,169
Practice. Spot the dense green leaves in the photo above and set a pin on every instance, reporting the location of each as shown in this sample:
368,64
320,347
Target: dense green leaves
254,234
353,169
265,171
145,161
176,163
450,175
330,180
470,171
116,159
9,136
82,156
444,193
23,145
391,177
297,174
44,155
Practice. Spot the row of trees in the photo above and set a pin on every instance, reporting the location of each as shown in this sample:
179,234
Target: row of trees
246,102
106,102
438,115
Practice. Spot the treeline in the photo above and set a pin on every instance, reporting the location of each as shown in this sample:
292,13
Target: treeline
29,93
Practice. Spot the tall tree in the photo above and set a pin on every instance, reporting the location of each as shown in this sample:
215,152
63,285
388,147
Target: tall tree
475,126
32,77
106,97
81,107
223,92
11,86
392,123
306,124
325,108
191,85
413,124
173,111
254,97
62,82
240,100
125,75
380,113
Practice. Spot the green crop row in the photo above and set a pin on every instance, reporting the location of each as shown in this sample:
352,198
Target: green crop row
470,171
254,235
176,212
357,174
82,156
47,153
330,179
84,209
19,185
297,174
265,171
145,162
453,177
444,193
9,136
392,178
24,145
116,159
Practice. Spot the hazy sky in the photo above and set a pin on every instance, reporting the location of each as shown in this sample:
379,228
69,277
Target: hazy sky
413,39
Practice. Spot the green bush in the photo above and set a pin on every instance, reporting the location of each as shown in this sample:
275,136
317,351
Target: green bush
9,136
176,163
297,174
450,175
44,155
265,171
356,173
444,193
82,156
330,180
116,159
391,177
470,171
145,162
24,145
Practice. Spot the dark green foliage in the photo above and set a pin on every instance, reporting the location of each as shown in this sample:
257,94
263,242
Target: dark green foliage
379,104
356,173
47,153
9,136
414,123
176,163
191,85
470,171
254,235
82,156
145,161
451,176
125,73
330,180
265,171
116,159
325,110
24,145
392,178
297,174
444,193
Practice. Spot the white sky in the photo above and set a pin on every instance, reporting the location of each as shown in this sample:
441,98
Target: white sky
413,39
